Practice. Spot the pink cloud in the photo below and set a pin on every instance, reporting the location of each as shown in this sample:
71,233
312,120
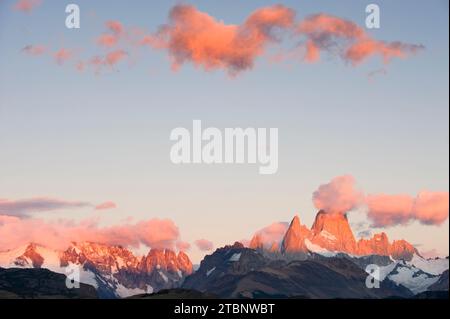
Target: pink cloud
106,205
338,196
196,37
431,208
271,234
112,58
204,244
63,55
108,40
347,40
428,208
384,210
183,246
115,26
364,49
155,233
111,39
26,5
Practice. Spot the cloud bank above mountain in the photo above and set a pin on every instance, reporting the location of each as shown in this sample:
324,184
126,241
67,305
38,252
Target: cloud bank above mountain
340,195
154,233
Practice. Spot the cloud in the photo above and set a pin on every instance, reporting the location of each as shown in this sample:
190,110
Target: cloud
111,39
383,210
63,55
204,244
115,27
273,233
431,208
428,208
183,246
26,207
344,38
106,205
155,233
364,49
35,50
114,57
108,40
26,5
196,37
338,196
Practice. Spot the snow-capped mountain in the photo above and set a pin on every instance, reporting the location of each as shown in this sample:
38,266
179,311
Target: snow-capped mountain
113,270
331,234
418,275
239,272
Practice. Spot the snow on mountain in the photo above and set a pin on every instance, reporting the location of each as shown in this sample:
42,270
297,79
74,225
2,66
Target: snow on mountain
417,275
411,277
318,250
331,234
434,266
113,270
235,257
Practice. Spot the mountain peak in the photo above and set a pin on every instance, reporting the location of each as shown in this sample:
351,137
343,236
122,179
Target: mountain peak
401,249
332,232
294,239
256,242
115,270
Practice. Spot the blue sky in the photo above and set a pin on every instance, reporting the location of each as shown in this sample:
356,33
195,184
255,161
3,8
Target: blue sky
82,136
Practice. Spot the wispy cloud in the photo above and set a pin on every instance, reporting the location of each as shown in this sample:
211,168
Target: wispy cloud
35,50
26,5
106,206
204,244
26,207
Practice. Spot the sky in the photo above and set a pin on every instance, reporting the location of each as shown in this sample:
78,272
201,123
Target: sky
85,121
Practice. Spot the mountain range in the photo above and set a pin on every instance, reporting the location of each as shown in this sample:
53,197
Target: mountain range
114,271
324,261
331,233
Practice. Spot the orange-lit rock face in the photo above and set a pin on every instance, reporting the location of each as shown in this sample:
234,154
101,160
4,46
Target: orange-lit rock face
377,245
294,239
158,259
333,232
256,242
401,249
184,263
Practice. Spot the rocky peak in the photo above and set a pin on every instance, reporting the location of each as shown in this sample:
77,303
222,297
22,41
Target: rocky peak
377,245
332,231
256,242
294,239
30,257
184,263
167,260
401,249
